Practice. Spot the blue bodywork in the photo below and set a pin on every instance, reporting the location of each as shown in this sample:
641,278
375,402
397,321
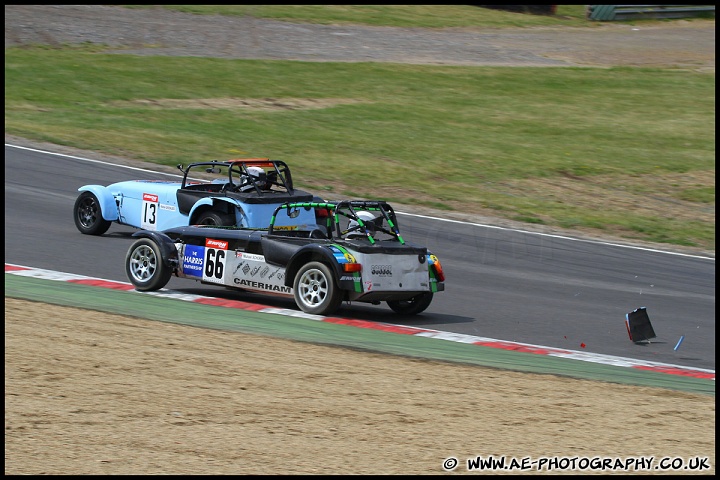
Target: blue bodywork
159,205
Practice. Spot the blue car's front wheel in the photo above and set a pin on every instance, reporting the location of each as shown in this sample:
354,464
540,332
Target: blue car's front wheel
88,215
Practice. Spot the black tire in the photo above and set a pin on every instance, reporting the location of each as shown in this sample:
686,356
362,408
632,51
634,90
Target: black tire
88,215
144,266
317,233
218,219
413,306
315,289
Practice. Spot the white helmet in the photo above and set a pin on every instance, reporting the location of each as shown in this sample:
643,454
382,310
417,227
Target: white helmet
258,176
367,218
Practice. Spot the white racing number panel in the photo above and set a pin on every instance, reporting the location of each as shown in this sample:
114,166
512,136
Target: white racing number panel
149,214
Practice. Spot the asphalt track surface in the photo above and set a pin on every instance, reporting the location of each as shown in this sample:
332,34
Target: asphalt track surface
504,284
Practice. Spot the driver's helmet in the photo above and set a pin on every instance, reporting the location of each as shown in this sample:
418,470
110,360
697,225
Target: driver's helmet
259,177
368,219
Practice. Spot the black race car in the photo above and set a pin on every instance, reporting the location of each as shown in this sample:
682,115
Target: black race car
356,255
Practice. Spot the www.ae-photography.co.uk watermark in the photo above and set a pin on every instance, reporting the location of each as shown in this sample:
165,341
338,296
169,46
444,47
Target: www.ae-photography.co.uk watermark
580,464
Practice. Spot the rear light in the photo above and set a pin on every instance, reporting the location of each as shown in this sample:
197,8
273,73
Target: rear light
438,270
352,267
322,212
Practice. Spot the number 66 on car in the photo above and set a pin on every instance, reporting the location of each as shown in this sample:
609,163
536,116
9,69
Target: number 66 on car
358,255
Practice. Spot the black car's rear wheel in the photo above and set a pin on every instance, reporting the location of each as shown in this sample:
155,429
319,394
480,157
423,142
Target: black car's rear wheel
88,215
413,306
315,290
144,266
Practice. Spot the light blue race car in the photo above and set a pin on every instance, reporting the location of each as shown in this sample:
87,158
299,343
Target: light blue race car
240,192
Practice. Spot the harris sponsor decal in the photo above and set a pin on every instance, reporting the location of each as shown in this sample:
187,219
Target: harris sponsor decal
192,261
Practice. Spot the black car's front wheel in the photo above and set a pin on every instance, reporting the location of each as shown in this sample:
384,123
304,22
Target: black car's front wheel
413,306
315,289
144,266
88,215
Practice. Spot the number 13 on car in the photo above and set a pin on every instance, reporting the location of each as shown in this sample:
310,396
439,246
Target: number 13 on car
149,211
215,258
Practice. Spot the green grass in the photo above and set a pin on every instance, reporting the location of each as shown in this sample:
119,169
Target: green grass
623,151
426,16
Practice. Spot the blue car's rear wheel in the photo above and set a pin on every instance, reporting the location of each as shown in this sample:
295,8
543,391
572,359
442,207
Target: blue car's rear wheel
218,219
88,215
315,290
144,266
